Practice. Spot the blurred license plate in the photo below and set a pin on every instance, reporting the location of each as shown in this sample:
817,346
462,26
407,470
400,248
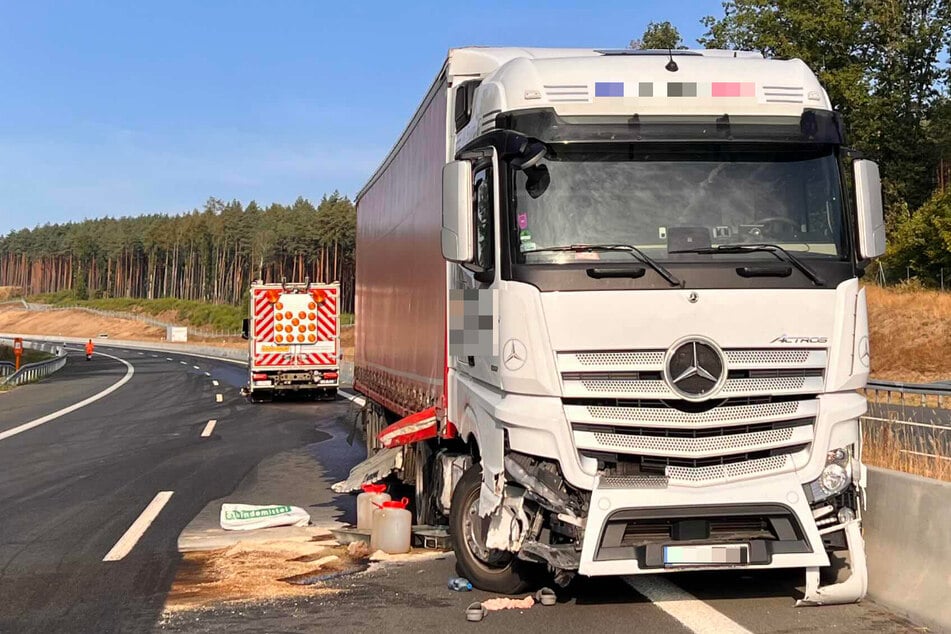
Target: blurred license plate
706,555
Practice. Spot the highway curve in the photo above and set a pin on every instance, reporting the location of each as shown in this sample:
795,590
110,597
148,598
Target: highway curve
71,487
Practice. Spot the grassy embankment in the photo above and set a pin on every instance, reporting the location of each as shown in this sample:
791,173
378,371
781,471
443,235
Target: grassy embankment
197,314
222,317
910,341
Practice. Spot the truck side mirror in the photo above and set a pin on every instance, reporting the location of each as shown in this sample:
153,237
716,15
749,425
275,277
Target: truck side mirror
244,328
457,211
871,214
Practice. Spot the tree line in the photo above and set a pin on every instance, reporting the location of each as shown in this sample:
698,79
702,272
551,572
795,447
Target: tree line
885,66
211,254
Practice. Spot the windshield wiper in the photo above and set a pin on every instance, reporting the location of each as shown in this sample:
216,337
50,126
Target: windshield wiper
781,254
636,253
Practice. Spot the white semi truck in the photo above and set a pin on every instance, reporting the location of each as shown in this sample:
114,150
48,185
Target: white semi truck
610,319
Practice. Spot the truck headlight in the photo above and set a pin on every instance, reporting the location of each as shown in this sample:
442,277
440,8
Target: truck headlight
836,476
834,479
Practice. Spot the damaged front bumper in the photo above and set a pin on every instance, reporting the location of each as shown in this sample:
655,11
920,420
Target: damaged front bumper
657,528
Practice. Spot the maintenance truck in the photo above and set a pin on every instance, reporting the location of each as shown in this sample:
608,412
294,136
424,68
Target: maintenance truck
293,343
610,319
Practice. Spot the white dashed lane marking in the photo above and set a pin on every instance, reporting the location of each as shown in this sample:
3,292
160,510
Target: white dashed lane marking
206,432
215,383
218,398
132,536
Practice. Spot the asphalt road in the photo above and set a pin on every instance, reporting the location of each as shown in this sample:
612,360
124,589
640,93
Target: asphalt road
72,486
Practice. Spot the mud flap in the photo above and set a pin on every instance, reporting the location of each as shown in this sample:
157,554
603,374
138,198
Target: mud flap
853,589
373,469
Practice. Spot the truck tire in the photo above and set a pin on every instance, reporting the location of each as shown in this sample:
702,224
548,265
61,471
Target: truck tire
490,570
424,503
375,423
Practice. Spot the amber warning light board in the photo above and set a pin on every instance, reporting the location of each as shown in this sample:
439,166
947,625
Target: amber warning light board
297,325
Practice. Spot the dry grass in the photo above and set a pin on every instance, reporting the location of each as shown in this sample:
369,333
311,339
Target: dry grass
346,342
891,446
8,292
910,334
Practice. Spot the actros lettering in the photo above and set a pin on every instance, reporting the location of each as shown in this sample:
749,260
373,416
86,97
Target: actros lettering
789,339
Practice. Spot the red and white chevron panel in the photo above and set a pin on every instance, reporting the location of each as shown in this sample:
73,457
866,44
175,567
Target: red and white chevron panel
274,328
263,317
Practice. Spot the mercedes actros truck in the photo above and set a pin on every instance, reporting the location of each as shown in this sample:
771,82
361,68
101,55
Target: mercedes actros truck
610,319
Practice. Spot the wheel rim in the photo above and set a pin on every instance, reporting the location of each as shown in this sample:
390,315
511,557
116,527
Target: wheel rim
474,529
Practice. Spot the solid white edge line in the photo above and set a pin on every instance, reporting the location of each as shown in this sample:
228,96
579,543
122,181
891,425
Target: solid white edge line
131,537
72,408
690,611
354,398
206,432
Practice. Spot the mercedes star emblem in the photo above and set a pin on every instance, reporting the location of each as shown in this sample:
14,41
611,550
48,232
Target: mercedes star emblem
695,368
863,351
514,354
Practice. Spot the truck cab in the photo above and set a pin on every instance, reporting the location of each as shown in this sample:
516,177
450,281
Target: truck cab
662,252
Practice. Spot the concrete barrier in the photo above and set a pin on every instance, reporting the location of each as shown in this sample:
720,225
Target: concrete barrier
908,541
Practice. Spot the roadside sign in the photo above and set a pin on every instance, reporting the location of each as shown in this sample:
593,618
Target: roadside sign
17,352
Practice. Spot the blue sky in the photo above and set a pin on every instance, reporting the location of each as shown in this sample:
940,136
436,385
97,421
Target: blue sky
123,108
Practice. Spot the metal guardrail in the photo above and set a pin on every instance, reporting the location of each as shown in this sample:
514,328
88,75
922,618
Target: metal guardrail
40,369
941,392
912,419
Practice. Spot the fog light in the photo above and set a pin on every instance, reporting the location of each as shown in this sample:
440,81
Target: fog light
846,515
834,479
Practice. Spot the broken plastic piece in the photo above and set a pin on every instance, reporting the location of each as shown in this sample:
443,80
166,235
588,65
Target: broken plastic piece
563,557
375,468
853,589
475,612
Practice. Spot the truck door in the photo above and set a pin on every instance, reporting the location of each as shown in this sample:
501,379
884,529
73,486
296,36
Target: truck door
476,284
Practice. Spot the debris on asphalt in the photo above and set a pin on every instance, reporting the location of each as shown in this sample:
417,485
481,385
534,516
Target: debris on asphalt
505,603
475,612
358,550
249,571
246,517
460,584
478,611
546,596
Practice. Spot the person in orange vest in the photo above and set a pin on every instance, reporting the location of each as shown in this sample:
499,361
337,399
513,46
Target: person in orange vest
90,348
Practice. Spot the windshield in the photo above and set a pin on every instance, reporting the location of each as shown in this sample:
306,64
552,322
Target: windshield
663,201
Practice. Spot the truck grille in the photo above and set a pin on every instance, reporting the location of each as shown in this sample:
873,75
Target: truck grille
624,414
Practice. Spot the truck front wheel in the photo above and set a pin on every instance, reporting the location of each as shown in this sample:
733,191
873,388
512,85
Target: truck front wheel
488,569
